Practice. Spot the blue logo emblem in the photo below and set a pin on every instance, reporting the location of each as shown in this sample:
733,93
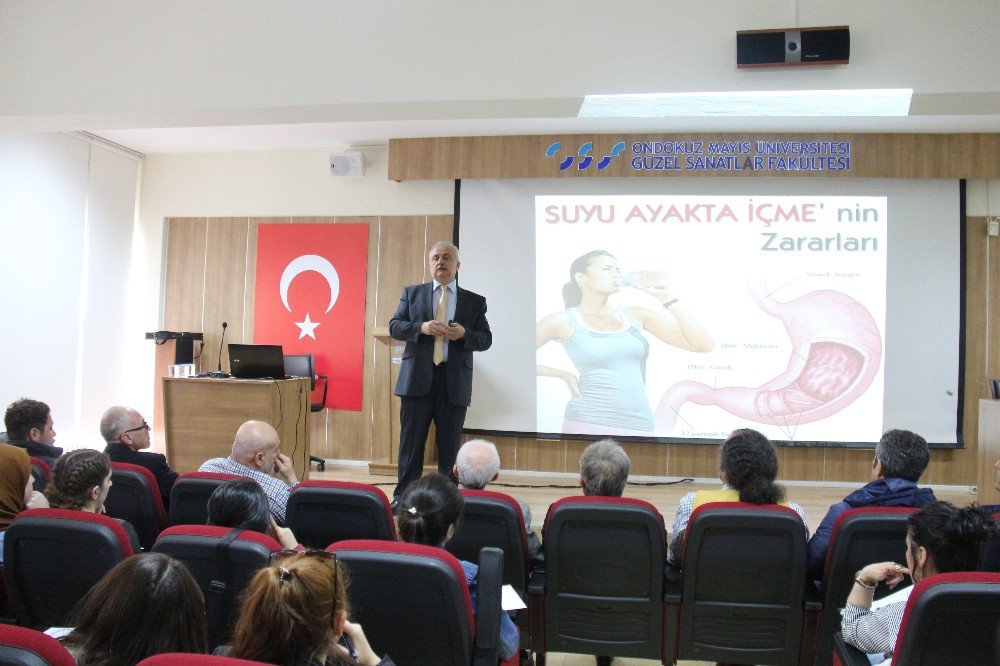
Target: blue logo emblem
584,154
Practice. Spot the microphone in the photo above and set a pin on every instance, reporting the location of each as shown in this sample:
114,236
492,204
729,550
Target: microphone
219,374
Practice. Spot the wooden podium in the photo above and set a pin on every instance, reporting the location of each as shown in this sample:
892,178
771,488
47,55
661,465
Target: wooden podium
201,417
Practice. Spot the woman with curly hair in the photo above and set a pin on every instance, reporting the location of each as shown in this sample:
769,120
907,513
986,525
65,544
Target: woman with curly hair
80,481
748,466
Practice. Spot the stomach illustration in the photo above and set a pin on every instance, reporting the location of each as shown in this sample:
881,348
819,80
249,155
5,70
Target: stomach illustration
836,354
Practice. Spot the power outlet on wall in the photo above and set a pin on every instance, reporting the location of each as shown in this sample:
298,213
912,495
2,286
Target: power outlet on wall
993,226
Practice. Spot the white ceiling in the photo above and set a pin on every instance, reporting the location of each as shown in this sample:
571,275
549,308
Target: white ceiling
235,75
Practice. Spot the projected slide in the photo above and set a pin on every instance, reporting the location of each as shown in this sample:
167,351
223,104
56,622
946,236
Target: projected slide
689,316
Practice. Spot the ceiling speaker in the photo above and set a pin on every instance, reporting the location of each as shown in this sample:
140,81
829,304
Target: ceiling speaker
348,165
788,47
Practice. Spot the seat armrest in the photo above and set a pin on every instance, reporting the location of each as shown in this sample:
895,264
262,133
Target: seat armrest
488,607
536,584
813,598
848,654
673,582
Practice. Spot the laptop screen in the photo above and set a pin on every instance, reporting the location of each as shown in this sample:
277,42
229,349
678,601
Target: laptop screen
256,361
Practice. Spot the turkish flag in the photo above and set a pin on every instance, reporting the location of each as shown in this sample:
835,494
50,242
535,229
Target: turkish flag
310,299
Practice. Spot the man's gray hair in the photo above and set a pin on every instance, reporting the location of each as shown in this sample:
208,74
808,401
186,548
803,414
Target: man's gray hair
604,468
904,455
451,246
478,463
113,423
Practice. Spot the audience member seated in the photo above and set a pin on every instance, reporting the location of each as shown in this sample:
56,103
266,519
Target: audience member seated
255,455
294,613
127,434
939,539
29,426
242,504
147,604
901,457
604,468
476,466
748,466
991,551
426,514
81,480
16,491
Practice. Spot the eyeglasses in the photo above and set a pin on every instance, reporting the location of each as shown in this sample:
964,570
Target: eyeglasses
144,426
284,574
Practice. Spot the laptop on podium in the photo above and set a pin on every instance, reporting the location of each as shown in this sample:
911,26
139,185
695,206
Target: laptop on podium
256,361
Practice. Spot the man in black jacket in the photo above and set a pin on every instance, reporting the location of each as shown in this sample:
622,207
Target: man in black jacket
29,426
127,434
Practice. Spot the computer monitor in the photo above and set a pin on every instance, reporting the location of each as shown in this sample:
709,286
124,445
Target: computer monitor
256,361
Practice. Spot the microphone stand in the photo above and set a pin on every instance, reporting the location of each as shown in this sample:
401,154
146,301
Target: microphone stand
219,374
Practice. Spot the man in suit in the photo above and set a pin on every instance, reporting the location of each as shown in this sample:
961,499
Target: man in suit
127,434
442,324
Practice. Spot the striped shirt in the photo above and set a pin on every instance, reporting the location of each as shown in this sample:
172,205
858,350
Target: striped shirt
873,631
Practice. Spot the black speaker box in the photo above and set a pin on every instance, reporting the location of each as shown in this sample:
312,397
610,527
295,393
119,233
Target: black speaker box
790,47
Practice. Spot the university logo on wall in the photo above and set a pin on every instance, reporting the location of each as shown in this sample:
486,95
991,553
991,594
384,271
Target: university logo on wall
310,299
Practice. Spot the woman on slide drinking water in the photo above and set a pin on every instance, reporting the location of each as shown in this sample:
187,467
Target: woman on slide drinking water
606,344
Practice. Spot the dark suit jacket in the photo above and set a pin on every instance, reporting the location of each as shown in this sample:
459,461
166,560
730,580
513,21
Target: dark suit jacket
154,462
416,306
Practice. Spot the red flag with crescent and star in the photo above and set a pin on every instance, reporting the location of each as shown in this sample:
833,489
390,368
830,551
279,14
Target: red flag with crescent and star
310,299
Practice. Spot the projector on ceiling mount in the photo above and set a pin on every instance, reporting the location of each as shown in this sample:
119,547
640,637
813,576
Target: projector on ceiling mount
790,47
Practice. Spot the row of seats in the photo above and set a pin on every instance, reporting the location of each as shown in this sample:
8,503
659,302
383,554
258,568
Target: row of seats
743,596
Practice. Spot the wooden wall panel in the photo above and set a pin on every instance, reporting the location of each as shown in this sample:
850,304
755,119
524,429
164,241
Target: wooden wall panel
184,281
225,287
872,156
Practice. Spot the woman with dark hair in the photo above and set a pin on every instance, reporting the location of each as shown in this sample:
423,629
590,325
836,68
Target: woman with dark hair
748,466
147,604
939,539
242,504
427,514
606,344
294,613
80,481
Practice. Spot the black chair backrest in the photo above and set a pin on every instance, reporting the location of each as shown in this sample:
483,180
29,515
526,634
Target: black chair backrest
951,618
604,559
222,581
301,365
744,584
860,537
412,600
52,557
492,519
189,496
322,512
135,497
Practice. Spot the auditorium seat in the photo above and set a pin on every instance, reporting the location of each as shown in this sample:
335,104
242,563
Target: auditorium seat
859,537
742,591
322,512
492,519
189,496
184,659
52,557
134,496
414,604
41,474
601,592
20,646
222,562
950,618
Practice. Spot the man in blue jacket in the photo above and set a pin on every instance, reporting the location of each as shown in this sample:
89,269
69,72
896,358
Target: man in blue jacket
901,457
